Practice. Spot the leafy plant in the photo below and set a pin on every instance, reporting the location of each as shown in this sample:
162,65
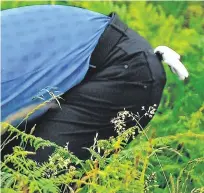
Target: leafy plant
111,168
165,157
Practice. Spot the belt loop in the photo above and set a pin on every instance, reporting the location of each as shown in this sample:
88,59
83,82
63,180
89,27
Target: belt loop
117,23
118,28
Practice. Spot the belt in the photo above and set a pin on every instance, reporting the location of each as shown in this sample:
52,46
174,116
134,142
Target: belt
111,36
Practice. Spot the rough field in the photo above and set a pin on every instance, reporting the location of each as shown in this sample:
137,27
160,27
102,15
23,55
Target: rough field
168,157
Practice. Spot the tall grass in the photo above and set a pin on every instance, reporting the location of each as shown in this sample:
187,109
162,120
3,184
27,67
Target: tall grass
168,155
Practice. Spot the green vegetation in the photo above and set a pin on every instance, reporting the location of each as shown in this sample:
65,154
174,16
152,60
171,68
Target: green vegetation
168,156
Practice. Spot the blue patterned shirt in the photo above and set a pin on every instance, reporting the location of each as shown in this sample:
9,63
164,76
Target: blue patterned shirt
45,48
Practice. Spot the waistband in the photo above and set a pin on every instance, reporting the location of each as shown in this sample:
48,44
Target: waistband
115,30
111,36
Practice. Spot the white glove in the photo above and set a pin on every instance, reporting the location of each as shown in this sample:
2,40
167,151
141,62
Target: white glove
172,58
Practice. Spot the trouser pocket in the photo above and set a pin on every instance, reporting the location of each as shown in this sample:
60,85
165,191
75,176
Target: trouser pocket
138,68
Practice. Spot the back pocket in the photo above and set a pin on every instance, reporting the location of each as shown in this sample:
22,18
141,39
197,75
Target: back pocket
138,68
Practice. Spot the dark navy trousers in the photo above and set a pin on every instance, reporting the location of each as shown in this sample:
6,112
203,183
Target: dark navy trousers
126,75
